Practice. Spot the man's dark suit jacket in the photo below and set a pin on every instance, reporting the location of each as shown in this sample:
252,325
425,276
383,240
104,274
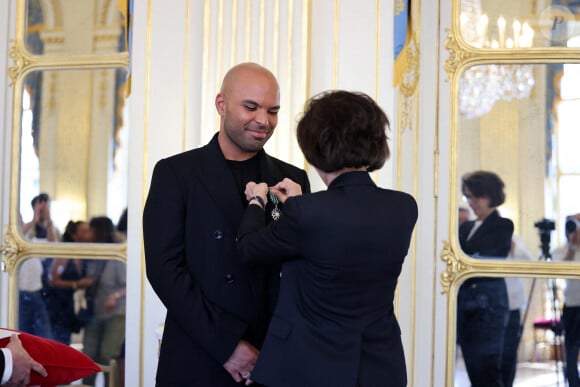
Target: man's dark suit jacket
190,221
334,324
2,364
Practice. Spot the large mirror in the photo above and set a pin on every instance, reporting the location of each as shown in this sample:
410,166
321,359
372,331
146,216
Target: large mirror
68,187
520,121
515,70
73,149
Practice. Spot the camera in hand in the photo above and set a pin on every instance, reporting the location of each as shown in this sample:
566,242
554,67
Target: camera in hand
572,225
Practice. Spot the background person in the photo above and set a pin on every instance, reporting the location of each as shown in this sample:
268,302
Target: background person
334,324
571,311
516,301
105,332
464,215
33,316
66,276
482,303
218,308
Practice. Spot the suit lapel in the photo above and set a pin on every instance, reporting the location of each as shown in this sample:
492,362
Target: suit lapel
489,222
219,181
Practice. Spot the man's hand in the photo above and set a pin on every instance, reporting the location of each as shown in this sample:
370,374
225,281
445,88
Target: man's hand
22,364
242,361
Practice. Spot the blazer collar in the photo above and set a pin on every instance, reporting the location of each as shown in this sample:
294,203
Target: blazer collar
351,178
220,181
487,223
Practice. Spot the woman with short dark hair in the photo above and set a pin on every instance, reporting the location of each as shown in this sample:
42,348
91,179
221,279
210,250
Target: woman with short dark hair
334,323
482,302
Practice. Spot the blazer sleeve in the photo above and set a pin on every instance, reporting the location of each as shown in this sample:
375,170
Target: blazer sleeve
278,241
215,330
3,362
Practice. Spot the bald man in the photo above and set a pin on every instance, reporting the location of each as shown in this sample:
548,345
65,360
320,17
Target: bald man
218,308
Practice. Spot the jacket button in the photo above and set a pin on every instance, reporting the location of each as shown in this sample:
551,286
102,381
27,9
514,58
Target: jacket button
229,278
218,234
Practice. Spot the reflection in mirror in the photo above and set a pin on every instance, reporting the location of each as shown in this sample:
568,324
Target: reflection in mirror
530,142
76,27
77,302
518,24
74,149
540,330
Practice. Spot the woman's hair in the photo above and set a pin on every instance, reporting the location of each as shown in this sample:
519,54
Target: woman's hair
484,184
103,229
70,230
341,129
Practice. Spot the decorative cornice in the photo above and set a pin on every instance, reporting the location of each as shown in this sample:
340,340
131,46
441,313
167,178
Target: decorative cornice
454,266
20,62
457,55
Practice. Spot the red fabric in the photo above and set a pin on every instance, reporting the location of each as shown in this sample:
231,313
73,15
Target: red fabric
64,364
545,323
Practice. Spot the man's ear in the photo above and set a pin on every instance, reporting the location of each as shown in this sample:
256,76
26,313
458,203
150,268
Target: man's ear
220,104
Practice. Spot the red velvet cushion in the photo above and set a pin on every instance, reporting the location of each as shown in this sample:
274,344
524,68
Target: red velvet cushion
64,364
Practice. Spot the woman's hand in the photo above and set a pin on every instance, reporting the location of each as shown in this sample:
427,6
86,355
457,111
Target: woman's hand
285,189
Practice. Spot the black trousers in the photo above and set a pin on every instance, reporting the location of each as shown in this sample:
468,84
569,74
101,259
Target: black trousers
571,321
482,317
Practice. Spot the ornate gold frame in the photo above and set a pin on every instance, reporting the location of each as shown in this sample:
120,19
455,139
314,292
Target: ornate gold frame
459,266
15,249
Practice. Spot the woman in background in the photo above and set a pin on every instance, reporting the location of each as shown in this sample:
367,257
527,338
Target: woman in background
482,302
65,277
334,323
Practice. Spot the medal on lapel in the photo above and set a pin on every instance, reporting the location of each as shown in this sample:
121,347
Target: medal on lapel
276,211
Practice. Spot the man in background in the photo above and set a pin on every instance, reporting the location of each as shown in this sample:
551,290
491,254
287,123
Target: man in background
571,313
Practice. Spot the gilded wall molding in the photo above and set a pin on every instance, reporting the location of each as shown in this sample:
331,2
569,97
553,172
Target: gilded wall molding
10,251
457,55
454,266
411,75
21,62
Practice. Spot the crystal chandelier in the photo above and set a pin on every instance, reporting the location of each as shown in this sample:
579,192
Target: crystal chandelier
480,87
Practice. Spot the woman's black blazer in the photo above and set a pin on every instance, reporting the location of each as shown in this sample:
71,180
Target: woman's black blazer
334,323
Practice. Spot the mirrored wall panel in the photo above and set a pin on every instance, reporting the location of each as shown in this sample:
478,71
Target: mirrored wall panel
73,154
515,330
497,24
81,27
518,122
78,302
